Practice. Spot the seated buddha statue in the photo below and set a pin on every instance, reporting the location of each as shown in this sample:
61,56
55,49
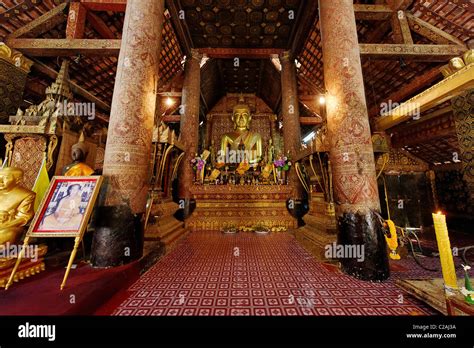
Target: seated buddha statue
242,139
78,167
16,205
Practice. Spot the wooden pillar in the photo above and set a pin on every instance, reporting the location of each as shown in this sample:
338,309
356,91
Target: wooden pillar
189,126
463,107
352,157
290,116
119,232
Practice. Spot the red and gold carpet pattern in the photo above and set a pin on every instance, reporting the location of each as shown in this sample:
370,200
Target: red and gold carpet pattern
247,274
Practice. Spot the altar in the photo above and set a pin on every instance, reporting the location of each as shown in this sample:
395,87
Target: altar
241,206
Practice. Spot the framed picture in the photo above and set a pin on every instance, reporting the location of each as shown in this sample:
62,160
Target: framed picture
66,207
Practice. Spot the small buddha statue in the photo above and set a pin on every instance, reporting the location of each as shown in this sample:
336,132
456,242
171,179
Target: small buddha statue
270,151
242,138
79,154
469,55
16,205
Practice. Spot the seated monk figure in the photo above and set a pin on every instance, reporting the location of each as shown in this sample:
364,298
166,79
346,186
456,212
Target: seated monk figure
67,215
16,205
242,141
78,167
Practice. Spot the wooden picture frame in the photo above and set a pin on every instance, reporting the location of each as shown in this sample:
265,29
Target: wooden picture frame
67,194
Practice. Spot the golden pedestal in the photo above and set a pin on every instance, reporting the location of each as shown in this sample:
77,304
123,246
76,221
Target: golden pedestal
221,206
26,269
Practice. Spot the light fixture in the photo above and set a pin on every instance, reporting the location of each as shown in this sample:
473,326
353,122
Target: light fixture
322,100
309,137
169,102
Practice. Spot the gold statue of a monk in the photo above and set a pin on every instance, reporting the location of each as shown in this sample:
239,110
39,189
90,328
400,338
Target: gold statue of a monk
78,167
16,205
242,139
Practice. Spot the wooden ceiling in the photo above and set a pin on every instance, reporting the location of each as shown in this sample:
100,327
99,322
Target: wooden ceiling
240,23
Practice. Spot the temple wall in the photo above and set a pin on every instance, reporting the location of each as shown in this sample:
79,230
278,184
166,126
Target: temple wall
453,197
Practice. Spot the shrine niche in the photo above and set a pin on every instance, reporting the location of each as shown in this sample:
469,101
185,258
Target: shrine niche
46,132
220,120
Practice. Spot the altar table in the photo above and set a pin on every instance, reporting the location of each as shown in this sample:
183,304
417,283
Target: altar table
220,206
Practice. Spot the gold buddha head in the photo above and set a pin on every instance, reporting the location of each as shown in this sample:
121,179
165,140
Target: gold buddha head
9,178
241,117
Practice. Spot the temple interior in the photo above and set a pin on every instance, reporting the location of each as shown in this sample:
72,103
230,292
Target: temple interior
236,157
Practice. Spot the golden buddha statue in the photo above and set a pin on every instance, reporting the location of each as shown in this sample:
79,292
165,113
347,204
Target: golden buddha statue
78,167
469,55
16,205
242,139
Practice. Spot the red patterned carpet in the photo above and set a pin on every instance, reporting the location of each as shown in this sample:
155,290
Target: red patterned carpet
247,274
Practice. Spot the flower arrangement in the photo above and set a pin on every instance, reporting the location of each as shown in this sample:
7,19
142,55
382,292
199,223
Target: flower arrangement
261,229
467,289
282,163
230,229
198,163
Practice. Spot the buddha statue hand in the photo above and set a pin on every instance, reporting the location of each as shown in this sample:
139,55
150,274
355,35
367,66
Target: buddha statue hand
4,217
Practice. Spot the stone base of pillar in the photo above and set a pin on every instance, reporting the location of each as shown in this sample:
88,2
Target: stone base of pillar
364,229
118,237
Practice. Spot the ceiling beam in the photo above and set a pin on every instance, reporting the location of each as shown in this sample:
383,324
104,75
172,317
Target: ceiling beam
99,26
400,29
180,26
432,33
42,24
75,88
76,21
429,53
306,15
372,12
65,47
230,53
310,121
105,5
408,90
439,93
171,118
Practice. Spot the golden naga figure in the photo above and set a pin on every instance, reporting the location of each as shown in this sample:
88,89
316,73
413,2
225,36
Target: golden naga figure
242,139
78,154
16,205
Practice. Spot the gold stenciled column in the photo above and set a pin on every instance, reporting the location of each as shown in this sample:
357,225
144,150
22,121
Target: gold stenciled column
351,152
119,232
290,115
189,126
462,108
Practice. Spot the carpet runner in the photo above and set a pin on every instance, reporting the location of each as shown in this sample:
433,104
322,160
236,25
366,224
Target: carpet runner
247,274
